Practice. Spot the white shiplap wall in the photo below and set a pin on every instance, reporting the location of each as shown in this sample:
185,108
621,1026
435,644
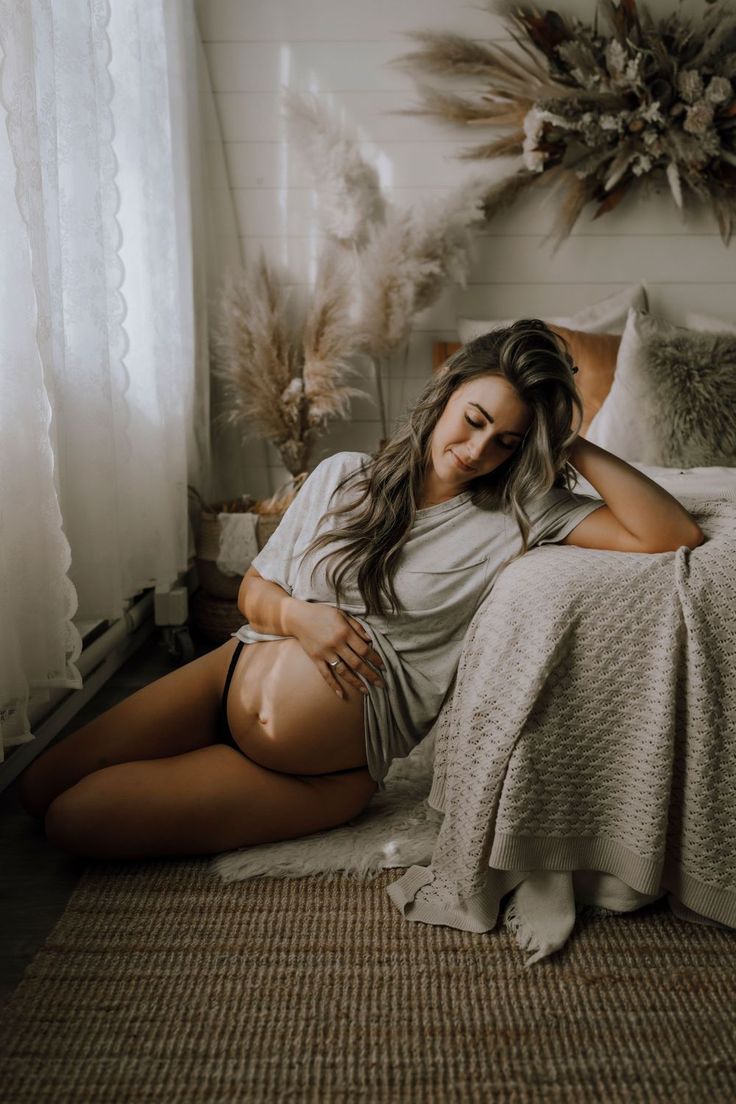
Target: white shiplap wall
340,49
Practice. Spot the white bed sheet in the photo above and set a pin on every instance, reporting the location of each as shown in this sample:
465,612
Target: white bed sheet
708,481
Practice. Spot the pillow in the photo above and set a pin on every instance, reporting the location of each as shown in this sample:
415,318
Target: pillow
695,321
595,356
606,316
673,399
708,482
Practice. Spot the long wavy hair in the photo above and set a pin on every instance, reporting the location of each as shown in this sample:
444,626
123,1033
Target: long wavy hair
537,363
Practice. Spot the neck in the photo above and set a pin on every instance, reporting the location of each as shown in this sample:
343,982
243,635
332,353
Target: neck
434,498
433,493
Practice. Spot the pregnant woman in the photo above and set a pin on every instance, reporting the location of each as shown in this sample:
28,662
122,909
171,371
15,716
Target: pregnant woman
356,612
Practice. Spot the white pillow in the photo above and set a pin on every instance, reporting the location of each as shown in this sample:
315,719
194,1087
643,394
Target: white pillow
710,482
707,324
606,316
612,428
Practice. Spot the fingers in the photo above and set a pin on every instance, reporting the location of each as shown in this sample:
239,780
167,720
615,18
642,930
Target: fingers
370,654
362,654
356,656
355,652
348,668
345,673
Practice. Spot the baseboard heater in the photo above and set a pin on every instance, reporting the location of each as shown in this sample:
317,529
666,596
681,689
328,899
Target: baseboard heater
106,646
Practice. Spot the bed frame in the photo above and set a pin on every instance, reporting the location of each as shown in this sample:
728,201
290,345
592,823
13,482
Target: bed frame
441,350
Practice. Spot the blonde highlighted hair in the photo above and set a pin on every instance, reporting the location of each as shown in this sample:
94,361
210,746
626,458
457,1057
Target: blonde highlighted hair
537,363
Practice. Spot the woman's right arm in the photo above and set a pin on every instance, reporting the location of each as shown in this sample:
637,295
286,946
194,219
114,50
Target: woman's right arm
322,630
265,605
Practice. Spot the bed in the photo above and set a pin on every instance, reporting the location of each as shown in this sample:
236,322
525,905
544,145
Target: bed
586,752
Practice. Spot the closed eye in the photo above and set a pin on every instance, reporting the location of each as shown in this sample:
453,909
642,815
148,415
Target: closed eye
479,425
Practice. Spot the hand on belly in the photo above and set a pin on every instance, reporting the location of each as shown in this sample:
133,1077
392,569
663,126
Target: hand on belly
285,717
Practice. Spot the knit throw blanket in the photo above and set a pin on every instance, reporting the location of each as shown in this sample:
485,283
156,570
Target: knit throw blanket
591,727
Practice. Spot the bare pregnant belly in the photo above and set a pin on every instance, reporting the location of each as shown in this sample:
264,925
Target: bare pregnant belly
285,717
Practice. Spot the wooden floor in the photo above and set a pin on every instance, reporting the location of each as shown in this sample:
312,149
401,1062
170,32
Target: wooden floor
37,880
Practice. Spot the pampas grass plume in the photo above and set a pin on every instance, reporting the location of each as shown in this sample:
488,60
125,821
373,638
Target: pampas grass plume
348,186
250,339
330,341
410,259
283,366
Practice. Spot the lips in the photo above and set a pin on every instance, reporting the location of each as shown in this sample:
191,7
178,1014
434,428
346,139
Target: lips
460,464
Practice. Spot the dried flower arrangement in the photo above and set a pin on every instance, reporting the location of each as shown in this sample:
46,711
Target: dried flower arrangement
599,113
402,258
284,364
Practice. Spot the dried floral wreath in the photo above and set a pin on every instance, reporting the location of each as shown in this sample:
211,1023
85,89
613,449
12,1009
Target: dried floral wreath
599,113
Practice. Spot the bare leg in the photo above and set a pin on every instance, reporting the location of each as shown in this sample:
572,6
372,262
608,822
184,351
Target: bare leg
173,715
202,802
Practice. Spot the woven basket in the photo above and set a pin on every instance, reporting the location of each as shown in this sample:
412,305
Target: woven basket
214,609
211,578
215,618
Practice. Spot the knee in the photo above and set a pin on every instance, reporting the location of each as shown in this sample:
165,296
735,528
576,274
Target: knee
85,820
66,825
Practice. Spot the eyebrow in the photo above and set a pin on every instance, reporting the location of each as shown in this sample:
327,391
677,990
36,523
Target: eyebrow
510,432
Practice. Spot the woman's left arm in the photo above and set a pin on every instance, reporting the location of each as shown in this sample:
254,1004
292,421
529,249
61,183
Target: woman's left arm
639,515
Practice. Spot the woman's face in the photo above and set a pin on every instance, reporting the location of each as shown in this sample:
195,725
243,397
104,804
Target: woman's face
481,426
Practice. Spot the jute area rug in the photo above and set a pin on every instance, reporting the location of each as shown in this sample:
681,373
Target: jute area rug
163,983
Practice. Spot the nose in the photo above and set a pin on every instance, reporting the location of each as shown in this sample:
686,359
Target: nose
476,448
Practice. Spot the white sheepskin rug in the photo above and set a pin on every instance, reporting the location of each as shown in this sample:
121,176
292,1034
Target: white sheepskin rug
398,828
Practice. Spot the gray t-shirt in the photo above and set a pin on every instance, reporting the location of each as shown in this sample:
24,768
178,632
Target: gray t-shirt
447,567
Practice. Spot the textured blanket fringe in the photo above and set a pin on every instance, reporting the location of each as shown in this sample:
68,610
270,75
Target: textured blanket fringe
526,937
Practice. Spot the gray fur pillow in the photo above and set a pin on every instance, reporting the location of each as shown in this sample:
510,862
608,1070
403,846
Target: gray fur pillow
673,398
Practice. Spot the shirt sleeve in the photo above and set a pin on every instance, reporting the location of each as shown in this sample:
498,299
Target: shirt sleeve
278,559
556,514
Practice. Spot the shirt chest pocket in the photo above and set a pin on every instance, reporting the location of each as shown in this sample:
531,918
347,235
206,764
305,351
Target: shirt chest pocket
442,590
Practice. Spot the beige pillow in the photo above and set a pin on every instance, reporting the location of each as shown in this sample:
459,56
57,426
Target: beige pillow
595,356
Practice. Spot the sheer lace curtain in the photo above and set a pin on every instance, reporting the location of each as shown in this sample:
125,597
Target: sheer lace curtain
104,270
